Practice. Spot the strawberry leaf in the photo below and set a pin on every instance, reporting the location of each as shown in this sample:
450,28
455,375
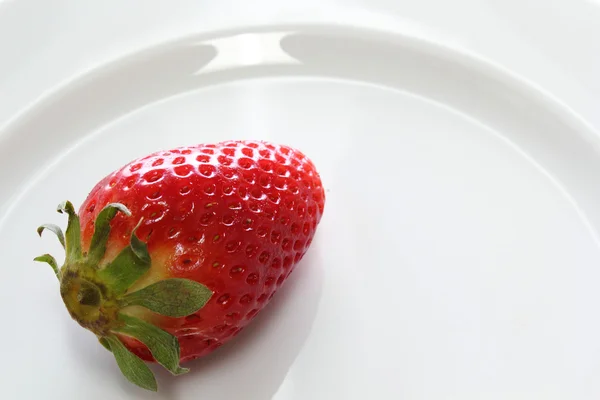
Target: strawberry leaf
47,258
131,263
105,343
102,230
73,234
163,346
174,297
134,369
55,229
138,247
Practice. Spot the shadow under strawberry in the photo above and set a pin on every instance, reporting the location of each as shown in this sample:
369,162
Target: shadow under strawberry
255,363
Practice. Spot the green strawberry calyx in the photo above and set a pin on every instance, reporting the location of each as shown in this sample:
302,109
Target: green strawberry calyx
98,296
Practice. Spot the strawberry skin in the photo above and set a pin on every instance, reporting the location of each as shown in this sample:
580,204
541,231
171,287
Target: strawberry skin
235,216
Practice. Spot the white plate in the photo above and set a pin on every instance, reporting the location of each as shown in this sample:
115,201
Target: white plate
457,257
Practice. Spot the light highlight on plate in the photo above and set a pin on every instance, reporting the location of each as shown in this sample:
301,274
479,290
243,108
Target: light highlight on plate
247,50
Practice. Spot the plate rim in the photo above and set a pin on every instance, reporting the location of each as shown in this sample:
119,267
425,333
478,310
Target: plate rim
451,52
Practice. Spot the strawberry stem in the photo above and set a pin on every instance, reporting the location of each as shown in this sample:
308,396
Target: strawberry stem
88,303
95,296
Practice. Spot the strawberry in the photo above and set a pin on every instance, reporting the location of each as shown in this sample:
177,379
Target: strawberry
173,254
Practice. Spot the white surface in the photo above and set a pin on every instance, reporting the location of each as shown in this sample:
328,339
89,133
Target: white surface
552,43
456,259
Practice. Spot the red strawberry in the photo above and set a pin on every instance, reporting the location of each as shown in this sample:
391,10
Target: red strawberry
173,254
